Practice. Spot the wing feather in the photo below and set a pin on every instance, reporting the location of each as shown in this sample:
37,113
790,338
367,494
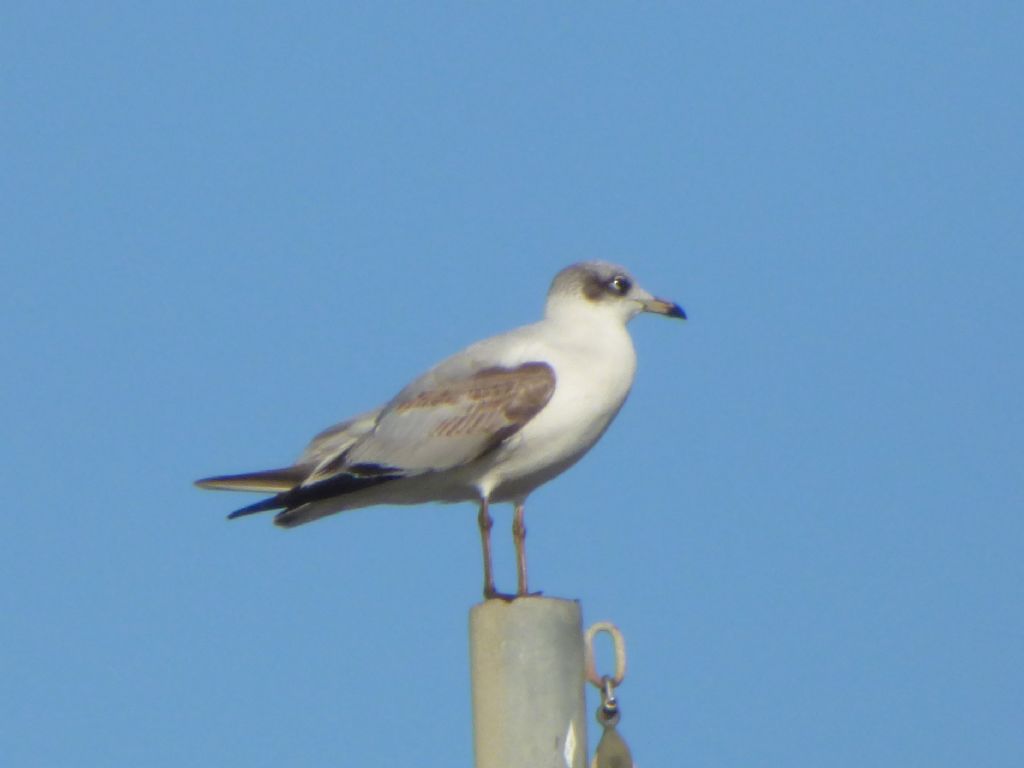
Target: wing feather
450,416
337,439
440,422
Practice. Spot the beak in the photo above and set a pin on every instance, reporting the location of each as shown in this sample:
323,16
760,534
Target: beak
662,307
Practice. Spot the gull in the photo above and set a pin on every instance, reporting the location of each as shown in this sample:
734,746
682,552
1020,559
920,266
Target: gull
489,424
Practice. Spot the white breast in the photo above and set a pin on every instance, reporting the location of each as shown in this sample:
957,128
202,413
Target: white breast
594,369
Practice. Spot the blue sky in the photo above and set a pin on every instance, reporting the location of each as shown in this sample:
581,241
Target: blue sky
229,225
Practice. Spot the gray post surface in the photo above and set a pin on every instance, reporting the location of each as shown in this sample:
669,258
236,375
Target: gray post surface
526,659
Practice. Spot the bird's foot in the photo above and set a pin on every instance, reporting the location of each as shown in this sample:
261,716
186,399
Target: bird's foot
493,594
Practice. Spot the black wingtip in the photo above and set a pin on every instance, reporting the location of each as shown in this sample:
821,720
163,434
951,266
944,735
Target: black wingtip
339,485
274,502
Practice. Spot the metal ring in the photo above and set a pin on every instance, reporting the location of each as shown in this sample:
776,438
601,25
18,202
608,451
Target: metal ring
620,655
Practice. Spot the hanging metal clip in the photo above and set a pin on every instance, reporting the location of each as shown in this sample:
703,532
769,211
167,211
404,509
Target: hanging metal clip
620,654
612,751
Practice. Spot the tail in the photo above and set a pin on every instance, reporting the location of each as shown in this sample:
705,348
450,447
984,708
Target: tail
290,492
267,481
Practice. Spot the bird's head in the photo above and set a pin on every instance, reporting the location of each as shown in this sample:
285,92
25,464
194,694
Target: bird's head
607,289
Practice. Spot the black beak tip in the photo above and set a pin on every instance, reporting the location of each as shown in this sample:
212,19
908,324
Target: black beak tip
677,311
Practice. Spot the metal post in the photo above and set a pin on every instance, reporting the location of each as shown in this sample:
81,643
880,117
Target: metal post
527,665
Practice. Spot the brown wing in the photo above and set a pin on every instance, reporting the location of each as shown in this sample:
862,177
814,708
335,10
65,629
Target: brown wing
438,423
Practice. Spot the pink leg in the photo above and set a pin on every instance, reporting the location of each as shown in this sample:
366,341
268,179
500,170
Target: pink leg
486,522
519,538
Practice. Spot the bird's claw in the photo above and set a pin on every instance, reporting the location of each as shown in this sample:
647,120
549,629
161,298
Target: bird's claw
493,594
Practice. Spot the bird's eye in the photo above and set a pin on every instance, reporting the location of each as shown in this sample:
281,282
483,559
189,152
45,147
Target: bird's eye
620,284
